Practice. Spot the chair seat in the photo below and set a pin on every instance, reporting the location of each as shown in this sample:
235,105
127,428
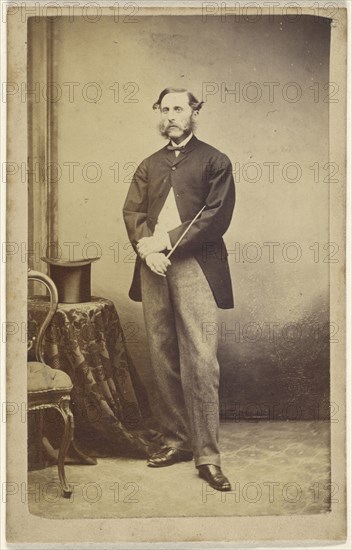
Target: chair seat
42,378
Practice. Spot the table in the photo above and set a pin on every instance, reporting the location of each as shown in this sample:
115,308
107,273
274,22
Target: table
109,402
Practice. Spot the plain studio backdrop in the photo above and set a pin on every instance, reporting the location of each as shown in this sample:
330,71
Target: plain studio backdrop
264,83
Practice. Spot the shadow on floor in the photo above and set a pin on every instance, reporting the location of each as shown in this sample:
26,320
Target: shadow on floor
276,468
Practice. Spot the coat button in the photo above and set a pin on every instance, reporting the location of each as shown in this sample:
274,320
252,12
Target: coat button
173,168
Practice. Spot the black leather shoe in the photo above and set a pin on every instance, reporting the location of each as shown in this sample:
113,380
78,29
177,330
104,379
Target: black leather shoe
169,456
214,476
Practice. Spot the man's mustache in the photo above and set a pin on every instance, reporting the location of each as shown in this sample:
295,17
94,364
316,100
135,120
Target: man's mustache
164,127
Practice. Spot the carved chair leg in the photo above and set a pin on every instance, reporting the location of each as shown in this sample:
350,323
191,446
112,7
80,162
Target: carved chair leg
67,437
40,435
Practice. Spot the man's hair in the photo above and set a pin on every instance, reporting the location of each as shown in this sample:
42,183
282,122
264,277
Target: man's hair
192,101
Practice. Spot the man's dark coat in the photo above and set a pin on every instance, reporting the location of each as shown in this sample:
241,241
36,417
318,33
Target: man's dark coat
199,175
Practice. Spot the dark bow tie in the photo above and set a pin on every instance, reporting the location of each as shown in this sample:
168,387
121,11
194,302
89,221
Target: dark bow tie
176,148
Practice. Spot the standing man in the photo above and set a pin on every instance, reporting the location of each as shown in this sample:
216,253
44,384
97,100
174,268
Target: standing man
180,296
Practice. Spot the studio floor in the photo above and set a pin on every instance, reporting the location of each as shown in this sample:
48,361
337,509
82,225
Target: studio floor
275,468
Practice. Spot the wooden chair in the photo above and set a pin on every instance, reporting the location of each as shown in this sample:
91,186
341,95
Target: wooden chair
47,387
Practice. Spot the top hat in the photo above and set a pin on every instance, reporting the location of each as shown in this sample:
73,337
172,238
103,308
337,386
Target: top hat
72,278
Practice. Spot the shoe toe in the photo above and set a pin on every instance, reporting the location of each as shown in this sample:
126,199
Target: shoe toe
214,476
226,486
169,456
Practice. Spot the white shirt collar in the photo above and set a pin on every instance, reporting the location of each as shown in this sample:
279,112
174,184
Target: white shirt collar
184,142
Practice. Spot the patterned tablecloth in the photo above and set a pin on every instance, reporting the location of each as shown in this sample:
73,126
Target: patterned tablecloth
109,402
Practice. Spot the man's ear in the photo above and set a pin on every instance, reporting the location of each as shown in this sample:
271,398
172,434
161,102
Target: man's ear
195,114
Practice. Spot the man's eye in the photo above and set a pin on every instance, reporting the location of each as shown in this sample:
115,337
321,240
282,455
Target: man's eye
164,110
178,109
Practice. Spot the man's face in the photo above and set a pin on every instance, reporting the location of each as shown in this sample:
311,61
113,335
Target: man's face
177,116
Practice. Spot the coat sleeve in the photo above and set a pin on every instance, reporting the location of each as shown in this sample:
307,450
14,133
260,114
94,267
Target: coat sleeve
215,219
135,209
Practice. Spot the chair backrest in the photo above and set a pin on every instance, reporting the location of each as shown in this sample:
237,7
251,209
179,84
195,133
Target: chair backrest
50,285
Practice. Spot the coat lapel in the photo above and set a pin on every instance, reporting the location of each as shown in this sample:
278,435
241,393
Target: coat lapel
165,186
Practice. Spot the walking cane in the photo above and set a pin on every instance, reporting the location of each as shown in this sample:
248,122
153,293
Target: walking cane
185,232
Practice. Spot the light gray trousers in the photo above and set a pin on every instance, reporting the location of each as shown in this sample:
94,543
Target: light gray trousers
183,357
